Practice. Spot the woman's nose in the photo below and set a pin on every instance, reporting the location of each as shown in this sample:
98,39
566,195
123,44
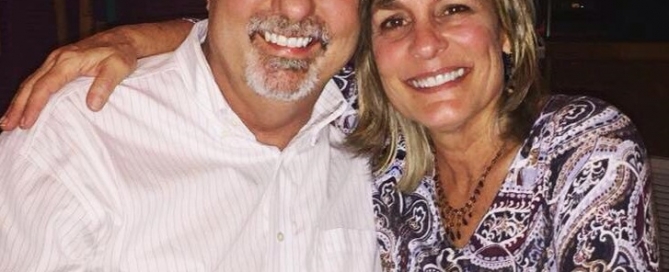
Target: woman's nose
427,41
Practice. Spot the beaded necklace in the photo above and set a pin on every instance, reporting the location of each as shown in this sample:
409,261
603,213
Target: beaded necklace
455,218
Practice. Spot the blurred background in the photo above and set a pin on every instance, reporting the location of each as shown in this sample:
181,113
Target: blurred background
617,50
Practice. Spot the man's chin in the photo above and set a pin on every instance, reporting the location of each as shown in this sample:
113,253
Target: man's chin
284,85
284,95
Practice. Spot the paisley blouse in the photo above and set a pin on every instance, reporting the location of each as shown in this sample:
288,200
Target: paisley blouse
576,198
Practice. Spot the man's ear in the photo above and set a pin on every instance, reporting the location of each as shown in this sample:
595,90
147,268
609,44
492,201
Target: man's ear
207,5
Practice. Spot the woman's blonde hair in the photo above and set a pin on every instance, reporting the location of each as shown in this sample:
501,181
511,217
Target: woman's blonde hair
381,127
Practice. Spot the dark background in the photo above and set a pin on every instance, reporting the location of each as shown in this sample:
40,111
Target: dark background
617,50
607,20
28,29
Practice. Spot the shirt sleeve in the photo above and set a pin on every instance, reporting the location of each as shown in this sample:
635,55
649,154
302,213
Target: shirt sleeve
603,212
43,227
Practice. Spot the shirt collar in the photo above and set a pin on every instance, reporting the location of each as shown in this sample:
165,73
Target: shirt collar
329,106
197,73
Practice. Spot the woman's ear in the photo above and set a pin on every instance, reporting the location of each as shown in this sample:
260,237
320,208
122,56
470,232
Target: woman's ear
506,43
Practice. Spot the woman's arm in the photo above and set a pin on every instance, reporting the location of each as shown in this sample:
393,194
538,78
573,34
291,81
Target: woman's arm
108,56
603,209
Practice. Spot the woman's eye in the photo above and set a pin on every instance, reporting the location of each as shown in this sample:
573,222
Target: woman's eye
455,9
392,23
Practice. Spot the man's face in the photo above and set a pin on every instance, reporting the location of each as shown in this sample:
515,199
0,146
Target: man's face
281,49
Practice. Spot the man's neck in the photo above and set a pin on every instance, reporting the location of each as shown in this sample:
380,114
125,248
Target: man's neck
272,122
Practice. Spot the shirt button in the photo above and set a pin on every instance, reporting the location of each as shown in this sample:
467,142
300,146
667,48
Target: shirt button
279,236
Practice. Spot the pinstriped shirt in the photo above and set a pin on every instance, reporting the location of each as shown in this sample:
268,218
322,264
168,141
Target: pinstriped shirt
167,178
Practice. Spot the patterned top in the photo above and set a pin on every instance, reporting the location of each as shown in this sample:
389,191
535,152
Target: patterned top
576,198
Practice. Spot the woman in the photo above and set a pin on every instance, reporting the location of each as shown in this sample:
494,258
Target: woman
489,173
475,168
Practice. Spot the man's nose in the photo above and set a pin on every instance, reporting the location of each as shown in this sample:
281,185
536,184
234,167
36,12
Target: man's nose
295,10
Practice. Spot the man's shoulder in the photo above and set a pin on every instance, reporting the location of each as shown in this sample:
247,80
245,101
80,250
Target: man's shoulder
64,105
76,90
152,66
67,107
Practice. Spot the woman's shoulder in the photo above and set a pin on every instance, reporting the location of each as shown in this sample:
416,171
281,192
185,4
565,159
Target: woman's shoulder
572,108
345,81
571,129
566,117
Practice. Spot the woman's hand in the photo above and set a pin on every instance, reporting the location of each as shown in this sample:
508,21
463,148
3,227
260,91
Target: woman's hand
108,56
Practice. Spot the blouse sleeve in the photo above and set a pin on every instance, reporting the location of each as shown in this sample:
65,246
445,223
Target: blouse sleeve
603,218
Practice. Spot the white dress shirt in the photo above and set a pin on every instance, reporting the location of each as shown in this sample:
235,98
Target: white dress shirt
167,178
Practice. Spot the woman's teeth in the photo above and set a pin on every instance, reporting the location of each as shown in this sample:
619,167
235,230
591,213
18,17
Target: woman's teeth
437,80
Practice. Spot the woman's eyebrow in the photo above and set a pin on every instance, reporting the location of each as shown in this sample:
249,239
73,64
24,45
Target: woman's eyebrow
384,4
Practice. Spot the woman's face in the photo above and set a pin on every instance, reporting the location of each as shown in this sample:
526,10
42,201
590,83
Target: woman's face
440,61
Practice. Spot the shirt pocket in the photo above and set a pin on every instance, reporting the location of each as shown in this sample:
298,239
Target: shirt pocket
345,250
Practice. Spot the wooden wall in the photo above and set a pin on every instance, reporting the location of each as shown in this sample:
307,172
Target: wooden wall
632,76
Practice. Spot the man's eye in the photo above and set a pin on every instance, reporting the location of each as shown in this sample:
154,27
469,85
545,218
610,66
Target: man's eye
455,9
392,23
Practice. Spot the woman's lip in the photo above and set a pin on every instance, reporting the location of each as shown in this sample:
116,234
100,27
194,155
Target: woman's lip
435,79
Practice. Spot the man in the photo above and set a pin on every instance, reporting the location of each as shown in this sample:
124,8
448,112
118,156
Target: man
219,156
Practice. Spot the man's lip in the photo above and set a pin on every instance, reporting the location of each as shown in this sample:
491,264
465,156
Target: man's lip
287,51
287,41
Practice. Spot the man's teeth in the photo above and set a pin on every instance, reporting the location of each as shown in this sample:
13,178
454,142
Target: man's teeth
292,42
437,80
